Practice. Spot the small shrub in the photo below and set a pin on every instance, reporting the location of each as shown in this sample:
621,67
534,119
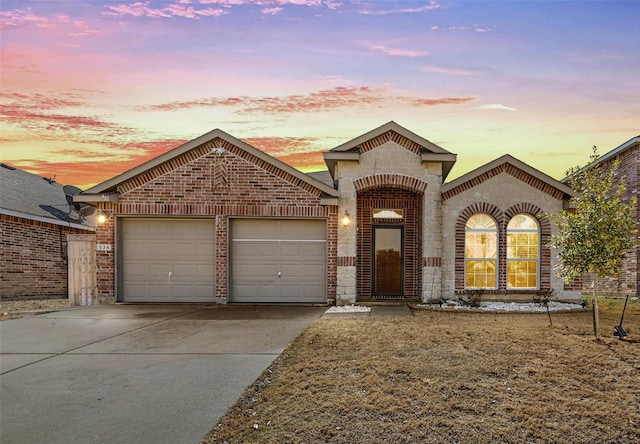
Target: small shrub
543,297
472,297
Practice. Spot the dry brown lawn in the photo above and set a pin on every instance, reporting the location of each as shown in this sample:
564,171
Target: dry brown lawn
442,377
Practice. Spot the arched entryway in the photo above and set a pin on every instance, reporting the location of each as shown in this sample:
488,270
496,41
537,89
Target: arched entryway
389,244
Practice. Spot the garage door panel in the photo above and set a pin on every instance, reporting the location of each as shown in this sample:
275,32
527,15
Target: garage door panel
184,250
308,250
156,230
202,271
136,250
266,250
263,248
138,270
204,249
157,249
182,271
158,291
168,260
156,271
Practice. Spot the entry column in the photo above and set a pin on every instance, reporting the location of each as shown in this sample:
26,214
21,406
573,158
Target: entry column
347,248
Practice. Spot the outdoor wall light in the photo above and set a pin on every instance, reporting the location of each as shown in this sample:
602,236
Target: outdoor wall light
346,219
102,218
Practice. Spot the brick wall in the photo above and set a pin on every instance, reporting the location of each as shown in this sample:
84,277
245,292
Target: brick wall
33,260
410,203
203,183
628,282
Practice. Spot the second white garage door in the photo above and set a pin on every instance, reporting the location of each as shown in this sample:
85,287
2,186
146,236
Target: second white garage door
278,260
167,260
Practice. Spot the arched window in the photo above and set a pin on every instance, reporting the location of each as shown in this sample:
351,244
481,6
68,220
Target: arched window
480,252
523,252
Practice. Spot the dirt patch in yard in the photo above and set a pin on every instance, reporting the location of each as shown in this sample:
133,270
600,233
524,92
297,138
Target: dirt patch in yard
443,377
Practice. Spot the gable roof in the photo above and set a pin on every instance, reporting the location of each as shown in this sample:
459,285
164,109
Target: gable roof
510,165
428,151
109,187
611,154
614,152
33,197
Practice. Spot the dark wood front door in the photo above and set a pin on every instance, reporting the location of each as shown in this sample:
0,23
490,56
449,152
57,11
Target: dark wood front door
388,259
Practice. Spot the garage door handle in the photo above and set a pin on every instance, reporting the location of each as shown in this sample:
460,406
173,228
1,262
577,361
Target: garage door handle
279,273
170,273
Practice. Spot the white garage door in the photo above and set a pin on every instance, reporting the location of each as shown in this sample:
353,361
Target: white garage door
167,260
278,261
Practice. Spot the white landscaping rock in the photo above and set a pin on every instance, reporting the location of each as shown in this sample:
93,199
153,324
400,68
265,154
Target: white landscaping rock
349,309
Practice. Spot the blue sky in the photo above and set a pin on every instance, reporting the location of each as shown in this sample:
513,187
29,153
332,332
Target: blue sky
90,89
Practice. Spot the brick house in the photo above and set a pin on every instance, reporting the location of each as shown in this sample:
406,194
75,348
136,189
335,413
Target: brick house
628,155
35,219
217,220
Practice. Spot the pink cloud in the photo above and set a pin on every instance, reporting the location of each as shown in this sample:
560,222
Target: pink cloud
451,71
17,18
191,9
281,146
31,111
41,101
24,17
443,101
399,52
433,4
35,121
178,9
88,170
271,11
323,100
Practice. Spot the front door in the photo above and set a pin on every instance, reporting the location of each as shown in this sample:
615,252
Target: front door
388,260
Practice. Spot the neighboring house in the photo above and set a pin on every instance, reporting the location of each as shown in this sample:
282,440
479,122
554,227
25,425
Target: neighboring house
35,219
628,155
217,220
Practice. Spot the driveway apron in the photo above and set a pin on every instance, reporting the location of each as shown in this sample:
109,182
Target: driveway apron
135,373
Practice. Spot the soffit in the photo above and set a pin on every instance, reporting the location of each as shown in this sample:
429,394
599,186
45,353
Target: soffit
510,165
111,185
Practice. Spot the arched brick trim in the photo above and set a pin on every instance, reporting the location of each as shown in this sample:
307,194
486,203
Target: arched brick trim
545,236
390,136
394,181
498,216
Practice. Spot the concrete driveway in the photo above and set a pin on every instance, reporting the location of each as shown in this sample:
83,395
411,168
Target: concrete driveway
135,373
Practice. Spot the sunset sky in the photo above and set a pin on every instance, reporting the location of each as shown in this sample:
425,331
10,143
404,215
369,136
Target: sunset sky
92,88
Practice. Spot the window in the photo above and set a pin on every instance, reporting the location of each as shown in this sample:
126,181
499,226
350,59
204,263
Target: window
523,252
480,252
387,214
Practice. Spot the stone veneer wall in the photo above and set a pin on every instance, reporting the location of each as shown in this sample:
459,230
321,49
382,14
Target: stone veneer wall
389,163
501,195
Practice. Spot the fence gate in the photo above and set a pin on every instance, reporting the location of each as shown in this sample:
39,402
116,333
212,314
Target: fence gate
82,280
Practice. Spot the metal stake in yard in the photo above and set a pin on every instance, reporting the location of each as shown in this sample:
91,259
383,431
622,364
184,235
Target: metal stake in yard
618,330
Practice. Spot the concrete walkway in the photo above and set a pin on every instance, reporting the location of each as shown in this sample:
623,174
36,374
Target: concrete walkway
134,373
377,311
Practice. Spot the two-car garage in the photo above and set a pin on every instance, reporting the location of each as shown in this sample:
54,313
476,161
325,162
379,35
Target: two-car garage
269,260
